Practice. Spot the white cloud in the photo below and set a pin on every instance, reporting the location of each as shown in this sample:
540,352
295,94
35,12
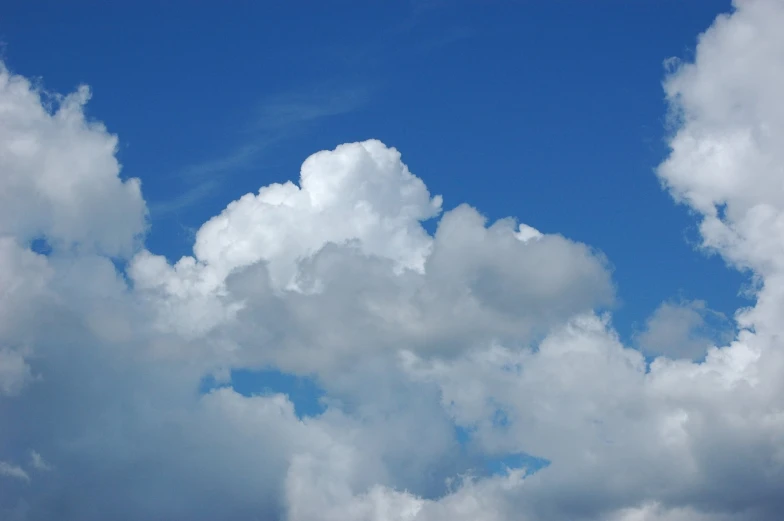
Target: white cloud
59,171
726,150
360,192
352,235
38,462
493,327
655,512
13,471
14,372
314,494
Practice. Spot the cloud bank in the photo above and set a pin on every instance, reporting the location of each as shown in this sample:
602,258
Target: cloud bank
436,353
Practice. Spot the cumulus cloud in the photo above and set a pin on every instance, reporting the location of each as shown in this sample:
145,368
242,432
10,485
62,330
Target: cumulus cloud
358,192
349,247
436,353
59,172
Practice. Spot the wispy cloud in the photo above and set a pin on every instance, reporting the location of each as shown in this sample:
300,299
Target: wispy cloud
289,111
38,462
202,179
236,158
274,120
13,471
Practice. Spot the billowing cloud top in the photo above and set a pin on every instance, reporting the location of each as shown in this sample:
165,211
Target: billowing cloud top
437,354
59,172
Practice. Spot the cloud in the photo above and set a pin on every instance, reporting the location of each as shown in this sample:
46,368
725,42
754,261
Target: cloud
682,330
286,112
347,245
358,191
725,161
12,471
59,171
14,372
38,463
435,352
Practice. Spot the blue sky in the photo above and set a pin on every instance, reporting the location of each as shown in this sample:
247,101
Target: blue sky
316,352
551,112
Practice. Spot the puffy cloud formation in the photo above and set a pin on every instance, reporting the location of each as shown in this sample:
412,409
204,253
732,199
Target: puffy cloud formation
437,353
59,172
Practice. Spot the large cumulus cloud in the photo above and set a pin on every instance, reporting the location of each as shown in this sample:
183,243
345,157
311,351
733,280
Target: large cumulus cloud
436,353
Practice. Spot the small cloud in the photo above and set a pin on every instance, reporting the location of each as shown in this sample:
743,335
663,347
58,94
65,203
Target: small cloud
15,372
289,111
13,471
682,330
237,158
185,199
38,462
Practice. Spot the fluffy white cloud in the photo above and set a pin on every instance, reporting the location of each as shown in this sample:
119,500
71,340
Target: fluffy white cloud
299,265
494,328
315,494
358,192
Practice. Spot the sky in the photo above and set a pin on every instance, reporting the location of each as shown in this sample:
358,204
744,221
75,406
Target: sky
410,260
